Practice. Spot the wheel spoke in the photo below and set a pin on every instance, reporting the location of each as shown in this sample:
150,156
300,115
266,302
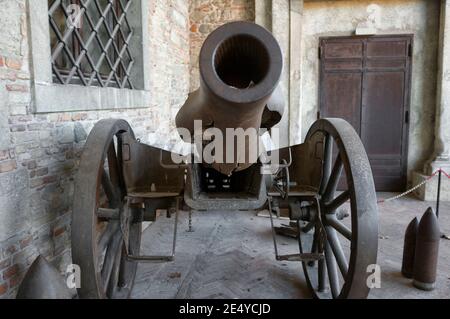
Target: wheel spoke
123,275
120,161
115,274
331,207
340,227
322,273
327,159
110,259
314,249
108,213
314,245
336,247
113,165
107,235
126,267
332,271
109,190
335,177
322,269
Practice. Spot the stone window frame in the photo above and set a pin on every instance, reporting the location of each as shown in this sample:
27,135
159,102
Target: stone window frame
51,97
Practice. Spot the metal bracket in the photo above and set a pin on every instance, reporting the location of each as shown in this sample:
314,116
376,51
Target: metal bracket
171,166
295,257
149,259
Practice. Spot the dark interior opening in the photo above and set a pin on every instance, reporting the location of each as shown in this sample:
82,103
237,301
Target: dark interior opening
242,61
207,182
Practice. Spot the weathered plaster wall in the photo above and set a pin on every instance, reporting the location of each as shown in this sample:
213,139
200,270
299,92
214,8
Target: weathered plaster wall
205,17
39,154
339,18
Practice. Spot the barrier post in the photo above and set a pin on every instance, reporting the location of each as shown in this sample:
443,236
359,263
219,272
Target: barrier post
439,193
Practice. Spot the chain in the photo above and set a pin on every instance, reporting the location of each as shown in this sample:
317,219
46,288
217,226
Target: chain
414,188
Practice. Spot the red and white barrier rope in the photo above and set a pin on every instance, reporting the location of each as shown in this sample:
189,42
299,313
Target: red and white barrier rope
429,179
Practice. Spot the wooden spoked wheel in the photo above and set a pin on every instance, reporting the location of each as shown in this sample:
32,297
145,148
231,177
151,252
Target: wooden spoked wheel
104,225
344,222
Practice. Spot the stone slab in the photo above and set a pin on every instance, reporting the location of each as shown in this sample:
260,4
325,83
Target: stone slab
231,255
429,191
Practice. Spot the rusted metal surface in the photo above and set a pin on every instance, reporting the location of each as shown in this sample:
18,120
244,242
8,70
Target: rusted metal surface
98,243
349,244
240,67
427,252
166,258
248,190
43,281
409,250
150,171
122,182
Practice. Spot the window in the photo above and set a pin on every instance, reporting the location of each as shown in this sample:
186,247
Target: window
89,54
96,51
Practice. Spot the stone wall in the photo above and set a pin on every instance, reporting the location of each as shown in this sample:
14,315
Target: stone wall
206,16
339,18
39,154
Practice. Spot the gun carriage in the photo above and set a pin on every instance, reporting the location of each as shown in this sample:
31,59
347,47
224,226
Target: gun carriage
325,184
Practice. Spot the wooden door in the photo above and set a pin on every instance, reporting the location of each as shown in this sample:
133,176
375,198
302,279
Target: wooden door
366,80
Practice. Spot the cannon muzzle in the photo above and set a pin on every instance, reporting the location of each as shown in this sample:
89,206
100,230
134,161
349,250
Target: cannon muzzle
240,69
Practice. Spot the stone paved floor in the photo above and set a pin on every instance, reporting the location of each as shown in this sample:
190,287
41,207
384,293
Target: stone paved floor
230,255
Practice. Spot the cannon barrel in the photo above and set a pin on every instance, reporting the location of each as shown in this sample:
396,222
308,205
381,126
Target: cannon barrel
240,69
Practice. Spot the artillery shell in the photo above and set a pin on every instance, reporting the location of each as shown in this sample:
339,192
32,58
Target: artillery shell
43,281
409,249
427,252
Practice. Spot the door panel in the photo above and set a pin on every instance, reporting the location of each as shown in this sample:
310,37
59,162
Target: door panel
382,123
385,64
382,118
343,97
344,49
343,65
389,48
366,80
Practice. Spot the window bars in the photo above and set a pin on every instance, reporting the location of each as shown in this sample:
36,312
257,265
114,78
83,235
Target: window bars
90,41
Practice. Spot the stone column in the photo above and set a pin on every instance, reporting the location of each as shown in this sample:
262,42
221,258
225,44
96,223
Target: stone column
441,155
295,85
263,13
283,18
280,29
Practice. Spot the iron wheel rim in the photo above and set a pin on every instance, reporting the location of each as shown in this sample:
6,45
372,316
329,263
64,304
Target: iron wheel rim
363,215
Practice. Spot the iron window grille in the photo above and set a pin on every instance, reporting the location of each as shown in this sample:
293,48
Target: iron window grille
96,50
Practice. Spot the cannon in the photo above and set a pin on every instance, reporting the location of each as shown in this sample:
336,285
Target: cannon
325,184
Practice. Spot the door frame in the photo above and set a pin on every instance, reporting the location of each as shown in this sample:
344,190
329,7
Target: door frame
408,84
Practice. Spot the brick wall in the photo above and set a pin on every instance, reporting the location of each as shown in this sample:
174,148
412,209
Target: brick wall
206,16
39,154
